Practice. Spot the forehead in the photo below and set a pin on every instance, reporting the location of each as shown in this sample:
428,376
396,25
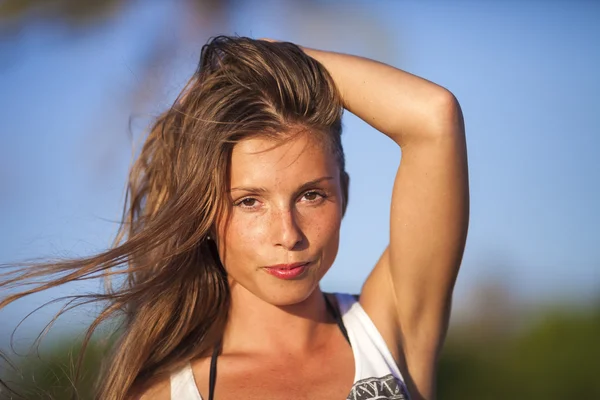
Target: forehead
267,161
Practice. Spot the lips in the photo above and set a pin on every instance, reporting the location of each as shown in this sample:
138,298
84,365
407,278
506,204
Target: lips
288,266
287,271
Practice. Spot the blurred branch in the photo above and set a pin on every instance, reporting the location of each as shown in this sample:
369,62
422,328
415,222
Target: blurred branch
74,12
17,14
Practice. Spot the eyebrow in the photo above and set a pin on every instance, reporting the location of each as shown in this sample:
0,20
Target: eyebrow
304,186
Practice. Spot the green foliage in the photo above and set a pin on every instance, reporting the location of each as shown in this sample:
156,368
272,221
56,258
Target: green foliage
50,374
558,357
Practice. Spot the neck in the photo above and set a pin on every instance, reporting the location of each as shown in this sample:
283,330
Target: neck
256,326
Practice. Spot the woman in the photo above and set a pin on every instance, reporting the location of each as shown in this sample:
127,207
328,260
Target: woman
235,206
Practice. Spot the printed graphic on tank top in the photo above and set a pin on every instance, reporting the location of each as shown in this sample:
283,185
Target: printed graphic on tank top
377,376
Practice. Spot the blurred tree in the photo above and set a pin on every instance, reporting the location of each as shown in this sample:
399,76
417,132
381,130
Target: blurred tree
555,357
50,374
560,357
77,12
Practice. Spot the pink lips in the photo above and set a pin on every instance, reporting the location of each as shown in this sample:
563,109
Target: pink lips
287,271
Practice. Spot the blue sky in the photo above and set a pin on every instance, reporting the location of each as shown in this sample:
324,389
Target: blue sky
525,74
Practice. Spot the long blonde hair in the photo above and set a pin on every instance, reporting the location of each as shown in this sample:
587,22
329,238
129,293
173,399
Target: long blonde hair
172,307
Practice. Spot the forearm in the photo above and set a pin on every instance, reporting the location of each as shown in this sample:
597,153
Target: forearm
401,105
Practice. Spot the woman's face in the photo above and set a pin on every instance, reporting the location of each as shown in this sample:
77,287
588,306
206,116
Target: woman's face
282,233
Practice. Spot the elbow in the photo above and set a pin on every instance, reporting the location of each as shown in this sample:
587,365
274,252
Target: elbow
444,115
433,116
437,118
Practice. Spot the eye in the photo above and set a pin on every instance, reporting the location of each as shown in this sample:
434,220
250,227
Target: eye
312,196
248,202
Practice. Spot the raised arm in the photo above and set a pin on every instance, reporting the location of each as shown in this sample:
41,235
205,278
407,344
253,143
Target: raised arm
408,294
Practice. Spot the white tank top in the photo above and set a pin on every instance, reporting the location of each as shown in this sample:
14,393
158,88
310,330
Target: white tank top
376,374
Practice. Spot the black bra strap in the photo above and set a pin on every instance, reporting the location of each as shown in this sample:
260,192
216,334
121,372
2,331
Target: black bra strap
338,318
213,371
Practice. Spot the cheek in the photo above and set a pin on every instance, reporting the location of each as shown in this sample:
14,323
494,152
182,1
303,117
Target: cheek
326,237
322,226
241,239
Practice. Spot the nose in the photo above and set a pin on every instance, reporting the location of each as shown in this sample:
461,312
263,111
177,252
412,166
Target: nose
287,232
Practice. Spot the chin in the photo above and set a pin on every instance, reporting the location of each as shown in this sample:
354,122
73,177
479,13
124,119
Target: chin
288,293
